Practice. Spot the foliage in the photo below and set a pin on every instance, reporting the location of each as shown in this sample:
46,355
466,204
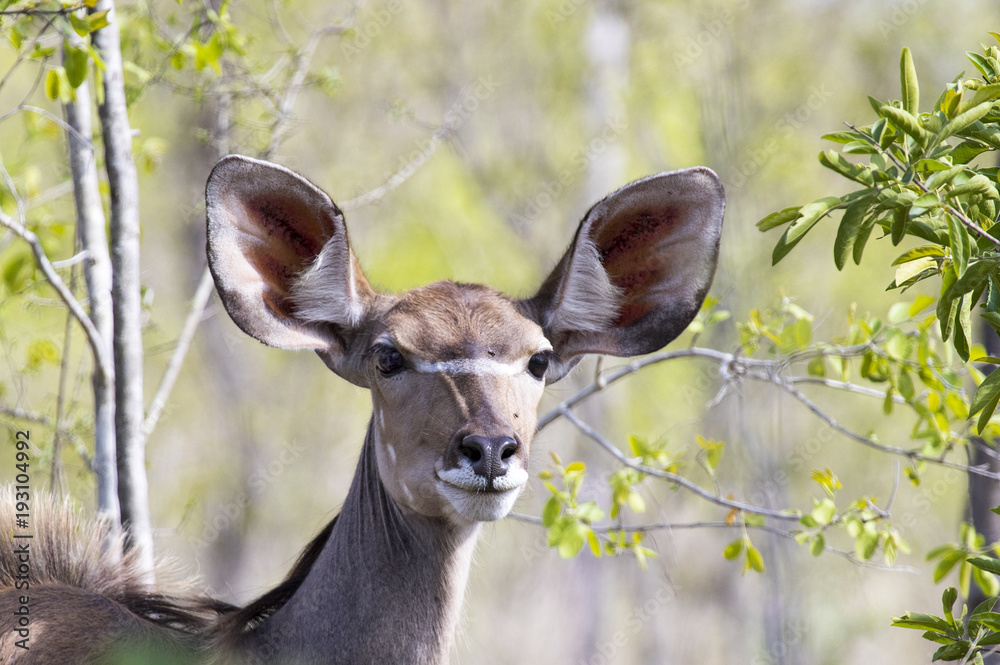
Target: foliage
920,181
926,178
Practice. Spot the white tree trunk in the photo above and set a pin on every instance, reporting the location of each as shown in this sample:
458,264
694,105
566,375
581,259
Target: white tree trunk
133,493
97,272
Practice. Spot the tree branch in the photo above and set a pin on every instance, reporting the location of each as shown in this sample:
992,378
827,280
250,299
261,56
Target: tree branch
103,361
673,477
201,296
21,414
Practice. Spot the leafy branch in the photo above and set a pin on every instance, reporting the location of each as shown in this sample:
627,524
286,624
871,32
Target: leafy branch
921,181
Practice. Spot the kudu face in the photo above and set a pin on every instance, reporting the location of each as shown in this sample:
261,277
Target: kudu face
456,371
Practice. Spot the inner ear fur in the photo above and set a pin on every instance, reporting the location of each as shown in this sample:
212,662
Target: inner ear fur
280,256
638,269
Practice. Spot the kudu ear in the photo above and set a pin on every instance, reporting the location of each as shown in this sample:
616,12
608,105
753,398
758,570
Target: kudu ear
281,259
637,270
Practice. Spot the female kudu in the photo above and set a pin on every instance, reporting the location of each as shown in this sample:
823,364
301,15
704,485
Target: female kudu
456,372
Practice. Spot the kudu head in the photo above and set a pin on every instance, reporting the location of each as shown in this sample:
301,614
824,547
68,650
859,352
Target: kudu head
456,371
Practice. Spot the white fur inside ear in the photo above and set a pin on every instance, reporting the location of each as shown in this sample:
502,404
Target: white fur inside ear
589,301
327,291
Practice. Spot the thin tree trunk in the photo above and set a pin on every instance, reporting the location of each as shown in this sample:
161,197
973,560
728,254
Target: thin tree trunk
97,273
133,493
984,493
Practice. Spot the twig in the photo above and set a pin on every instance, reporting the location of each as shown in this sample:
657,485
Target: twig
732,365
201,296
103,362
29,11
683,526
846,386
673,477
443,132
864,440
303,60
21,414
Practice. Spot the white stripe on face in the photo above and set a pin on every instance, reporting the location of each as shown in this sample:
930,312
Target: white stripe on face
479,366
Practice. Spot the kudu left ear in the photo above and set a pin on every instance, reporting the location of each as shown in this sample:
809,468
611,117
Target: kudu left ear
637,271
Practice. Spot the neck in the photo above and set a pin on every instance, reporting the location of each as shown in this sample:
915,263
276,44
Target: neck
386,587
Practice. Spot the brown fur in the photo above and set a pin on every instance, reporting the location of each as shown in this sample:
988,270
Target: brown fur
85,602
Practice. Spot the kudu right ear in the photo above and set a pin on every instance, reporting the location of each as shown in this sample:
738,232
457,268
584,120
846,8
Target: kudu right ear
637,270
281,259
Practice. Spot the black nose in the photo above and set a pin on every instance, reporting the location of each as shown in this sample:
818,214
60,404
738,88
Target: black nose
488,455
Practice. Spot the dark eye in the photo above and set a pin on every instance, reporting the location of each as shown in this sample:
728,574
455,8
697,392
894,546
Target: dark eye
538,364
388,360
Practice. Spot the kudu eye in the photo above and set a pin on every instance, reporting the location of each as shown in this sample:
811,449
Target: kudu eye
538,364
388,360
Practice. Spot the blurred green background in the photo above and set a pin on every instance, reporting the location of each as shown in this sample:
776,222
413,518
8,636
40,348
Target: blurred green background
547,106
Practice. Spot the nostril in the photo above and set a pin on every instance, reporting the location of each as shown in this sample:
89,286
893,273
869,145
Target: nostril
508,451
472,452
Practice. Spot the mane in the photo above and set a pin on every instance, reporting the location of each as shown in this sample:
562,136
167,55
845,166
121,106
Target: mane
69,549
228,630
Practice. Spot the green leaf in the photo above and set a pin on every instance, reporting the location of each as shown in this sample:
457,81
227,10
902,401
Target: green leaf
961,246
834,161
981,64
75,61
733,549
948,598
551,512
946,563
987,93
908,83
963,120
986,399
974,278
953,651
862,238
919,621
850,228
97,20
841,137
918,252
79,24
906,122
52,85
987,413
899,218
595,544
572,540
905,385
817,545
989,564
808,215
941,178
963,328
755,561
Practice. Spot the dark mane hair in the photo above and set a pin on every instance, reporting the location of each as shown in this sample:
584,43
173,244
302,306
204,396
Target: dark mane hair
234,623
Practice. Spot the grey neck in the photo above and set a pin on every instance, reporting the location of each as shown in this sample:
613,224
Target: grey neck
386,588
